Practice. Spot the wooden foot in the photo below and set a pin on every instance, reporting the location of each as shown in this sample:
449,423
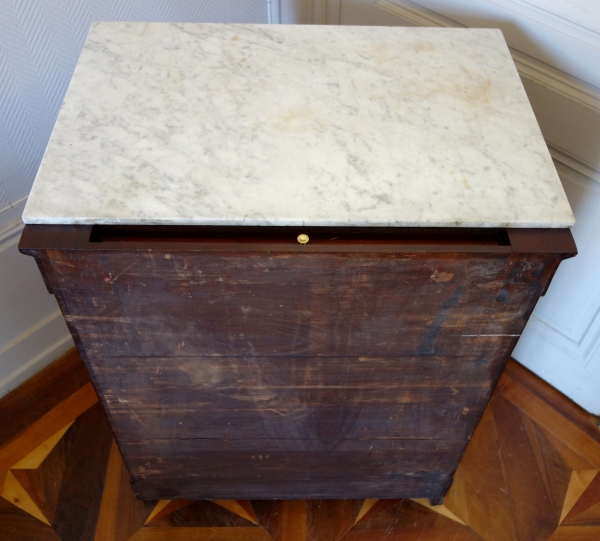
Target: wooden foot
437,500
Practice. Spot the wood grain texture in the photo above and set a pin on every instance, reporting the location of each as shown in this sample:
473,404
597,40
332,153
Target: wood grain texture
243,508
202,514
201,534
21,496
17,525
586,510
408,520
176,306
576,533
296,397
121,513
284,520
533,487
234,364
35,459
252,304
374,506
330,520
580,480
508,487
576,415
163,508
570,455
479,495
33,483
438,508
39,394
558,426
255,469
46,426
44,482
88,444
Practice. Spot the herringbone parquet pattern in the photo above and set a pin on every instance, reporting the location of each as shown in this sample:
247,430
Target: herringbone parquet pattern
530,472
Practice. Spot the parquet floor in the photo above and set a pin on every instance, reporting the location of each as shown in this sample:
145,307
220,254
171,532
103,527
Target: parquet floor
530,472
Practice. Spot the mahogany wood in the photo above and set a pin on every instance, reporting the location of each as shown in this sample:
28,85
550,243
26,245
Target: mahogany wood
296,397
237,363
521,477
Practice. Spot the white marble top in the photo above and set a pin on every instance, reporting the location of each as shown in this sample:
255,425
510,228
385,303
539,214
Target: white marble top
296,125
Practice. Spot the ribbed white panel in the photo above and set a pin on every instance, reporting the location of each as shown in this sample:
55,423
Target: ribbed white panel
40,42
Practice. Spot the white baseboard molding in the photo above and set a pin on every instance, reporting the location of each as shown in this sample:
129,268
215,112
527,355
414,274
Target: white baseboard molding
576,129
574,139
40,335
537,71
324,11
416,14
575,165
33,350
566,359
577,381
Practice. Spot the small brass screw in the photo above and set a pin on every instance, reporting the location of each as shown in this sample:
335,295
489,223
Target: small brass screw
303,239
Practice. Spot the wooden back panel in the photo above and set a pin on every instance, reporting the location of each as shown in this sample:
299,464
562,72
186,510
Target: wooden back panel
239,304
358,369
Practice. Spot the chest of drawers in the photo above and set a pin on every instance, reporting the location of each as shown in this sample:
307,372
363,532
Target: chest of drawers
312,298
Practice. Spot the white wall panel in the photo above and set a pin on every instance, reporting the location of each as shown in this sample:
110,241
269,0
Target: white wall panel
535,31
32,330
555,45
555,48
561,342
40,42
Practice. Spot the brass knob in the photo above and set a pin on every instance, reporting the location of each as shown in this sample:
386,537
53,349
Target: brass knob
302,238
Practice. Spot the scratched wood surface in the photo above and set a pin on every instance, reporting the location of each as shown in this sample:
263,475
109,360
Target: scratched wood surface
530,472
296,397
262,374
244,338
252,304
276,468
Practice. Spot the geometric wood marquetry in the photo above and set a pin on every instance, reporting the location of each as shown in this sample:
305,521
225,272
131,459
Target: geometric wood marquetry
586,510
579,482
441,509
531,471
19,495
34,460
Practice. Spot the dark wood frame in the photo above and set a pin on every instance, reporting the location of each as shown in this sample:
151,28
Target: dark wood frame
322,239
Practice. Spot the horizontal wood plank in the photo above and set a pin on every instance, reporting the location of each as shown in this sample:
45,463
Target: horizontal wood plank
284,238
291,373
297,397
280,468
212,304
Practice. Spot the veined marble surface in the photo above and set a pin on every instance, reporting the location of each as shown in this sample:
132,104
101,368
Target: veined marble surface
296,125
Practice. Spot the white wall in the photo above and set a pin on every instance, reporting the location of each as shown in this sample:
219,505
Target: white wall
32,330
556,48
555,45
40,42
